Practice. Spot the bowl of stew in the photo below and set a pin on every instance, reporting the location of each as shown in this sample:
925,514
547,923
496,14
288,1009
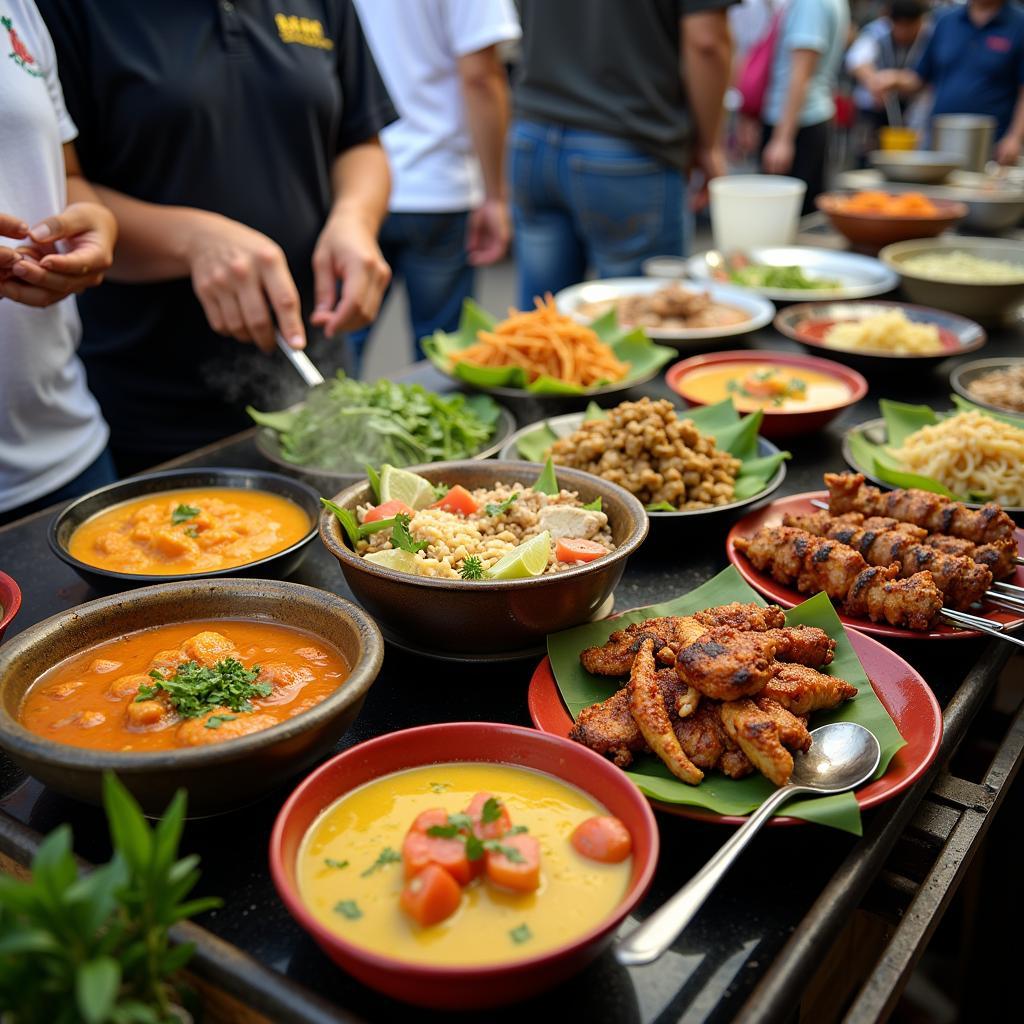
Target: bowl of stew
224,687
10,601
345,849
183,524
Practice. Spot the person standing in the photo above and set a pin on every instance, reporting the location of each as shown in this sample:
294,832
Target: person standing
53,440
448,212
800,104
236,144
606,128
974,63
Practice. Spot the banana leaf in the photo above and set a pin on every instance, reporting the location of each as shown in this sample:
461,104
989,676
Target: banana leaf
733,434
717,793
630,346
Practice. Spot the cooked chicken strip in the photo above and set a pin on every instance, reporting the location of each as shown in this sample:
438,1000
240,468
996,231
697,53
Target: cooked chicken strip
936,513
763,729
727,664
749,618
999,557
647,706
801,689
706,743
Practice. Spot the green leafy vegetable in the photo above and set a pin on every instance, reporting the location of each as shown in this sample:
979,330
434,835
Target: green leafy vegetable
332,863
547,483
440,490
374,477
761,275
354,530
349,909
473,569
345,424
194,689
491,810
594,506
500,508
214,721
183,513
385,857
191,531
460,826
520,934
516,830
401,538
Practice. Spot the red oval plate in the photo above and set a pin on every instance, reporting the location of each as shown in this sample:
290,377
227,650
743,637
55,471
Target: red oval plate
800,504
901,689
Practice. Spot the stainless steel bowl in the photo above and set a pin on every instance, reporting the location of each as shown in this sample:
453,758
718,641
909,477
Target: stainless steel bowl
919,166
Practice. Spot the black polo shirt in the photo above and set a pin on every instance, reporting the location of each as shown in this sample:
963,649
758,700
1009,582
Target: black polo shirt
234,106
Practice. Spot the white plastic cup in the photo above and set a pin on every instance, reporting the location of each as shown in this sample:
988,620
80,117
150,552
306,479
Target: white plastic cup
753,210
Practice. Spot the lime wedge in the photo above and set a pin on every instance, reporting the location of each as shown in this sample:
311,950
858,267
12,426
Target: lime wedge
394,558
401,485
528,559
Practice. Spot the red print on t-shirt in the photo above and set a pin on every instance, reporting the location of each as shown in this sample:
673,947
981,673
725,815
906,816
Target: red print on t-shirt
998,43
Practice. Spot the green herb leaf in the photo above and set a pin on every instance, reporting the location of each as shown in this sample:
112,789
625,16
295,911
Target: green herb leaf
214,721
516,830
349,909
491,810
594,506
546,483
96,985
474,846
509,852
443,831
473,569
440,787
183,513
520,934
347,518
332,863
402,539
374,477
385,857
191,531
500,508
661,506
440,490
194,690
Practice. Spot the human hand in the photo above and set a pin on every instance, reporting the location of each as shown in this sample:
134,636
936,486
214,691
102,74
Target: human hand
14,228
241,277
711,162
748,134
1008,150
347,251
41,275
777,157
488,233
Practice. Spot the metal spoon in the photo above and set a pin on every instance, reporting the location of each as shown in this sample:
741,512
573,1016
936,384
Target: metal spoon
302,363
842,756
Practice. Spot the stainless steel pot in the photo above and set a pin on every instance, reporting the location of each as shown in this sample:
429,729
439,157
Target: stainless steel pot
970,136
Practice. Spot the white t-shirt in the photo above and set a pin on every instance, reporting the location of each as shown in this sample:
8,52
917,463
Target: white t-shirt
50,425
417,44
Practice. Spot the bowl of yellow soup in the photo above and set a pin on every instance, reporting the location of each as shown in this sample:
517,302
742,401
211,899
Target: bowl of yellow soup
797,393
187,524
342,860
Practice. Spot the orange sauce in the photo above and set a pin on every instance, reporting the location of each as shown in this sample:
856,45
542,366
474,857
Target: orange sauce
89,699
189,531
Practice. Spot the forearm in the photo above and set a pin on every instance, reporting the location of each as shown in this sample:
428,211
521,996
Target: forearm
1016,129
361,181
707,65
802,65
485,94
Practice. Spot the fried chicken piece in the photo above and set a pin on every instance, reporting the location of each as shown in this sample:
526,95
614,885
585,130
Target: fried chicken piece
801,689
706,743
726,664
816,564
748,617
647,705
609,727
615,656
999,557
763,730
934,512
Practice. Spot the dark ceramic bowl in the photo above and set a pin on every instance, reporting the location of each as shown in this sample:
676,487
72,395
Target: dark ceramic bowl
483,616
870,232
218,777
276,566
464,988
10,601
966,374
329,481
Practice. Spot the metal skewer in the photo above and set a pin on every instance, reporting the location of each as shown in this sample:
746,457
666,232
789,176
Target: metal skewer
1002,601
988,628
967,617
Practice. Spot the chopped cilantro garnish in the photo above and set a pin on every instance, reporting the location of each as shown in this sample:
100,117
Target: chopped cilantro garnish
183,513
460,826
516,830
473,569
520,934
191,531
500,508
491,810
332,863
194,690
401,538
440,787
349,909
509,852
214,721
440,490
385,857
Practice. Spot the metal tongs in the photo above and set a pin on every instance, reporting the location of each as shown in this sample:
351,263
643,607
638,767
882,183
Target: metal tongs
303,364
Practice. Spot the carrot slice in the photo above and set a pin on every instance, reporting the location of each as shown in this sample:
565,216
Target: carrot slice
430,896
458,499
428,819
491,829
576,549
602,838
388,510
522,874
419,850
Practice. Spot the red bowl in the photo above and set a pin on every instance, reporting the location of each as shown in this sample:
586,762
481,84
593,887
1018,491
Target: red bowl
10,601
870,231
777,422
463,988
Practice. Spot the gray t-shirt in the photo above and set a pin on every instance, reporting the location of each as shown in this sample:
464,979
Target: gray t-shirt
609,66
50,425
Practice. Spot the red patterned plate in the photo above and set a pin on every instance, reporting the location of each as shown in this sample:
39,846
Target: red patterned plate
800,504
901,689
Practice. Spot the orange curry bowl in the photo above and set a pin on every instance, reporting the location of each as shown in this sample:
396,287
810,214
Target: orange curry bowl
516,972
869,230
81,692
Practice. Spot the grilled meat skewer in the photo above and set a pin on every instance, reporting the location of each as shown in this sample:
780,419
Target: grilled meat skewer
934,512
815,564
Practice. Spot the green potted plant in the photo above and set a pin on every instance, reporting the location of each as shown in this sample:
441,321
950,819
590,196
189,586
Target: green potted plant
96,948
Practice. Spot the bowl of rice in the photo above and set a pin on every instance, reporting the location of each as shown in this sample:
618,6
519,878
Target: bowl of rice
981,278
453,600
996,384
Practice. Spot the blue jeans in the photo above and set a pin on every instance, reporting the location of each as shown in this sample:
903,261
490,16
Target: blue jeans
98,473
428,252
585,199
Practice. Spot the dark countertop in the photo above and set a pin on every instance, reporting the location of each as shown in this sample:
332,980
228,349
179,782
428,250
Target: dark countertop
714,966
